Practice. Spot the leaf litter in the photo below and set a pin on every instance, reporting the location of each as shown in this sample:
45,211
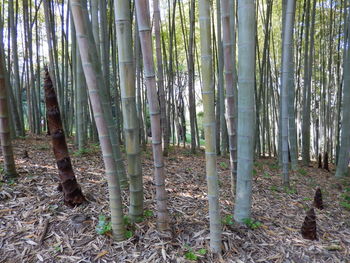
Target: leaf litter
35,226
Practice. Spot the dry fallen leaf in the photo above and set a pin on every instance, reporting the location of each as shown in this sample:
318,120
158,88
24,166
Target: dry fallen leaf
101,254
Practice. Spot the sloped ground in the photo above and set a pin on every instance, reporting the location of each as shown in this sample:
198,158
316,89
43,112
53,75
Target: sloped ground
36,227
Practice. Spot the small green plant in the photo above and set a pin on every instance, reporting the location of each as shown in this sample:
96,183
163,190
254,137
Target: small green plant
302,172
223,165
306,207
290,190
274,166
148,213
147,154
346,197
220,183
127,220
345,205
274,188
82,152
189,170
255,172
58,247
202,251
307,199
43,147
258,165
11,181
228,220
267,175
194,255
251,223
103,226
191,256
128,234
139,219
345,182
53,208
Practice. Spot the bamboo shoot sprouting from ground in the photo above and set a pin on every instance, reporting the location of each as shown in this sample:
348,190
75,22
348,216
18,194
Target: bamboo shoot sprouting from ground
246,108
88,53
143,20
209,126
68,183
128,96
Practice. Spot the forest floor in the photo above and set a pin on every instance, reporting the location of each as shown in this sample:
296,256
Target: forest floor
35,226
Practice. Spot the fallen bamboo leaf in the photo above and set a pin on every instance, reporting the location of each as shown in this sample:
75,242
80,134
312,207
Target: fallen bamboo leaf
101,254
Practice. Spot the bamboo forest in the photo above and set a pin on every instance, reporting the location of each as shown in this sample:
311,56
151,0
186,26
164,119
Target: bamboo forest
175,131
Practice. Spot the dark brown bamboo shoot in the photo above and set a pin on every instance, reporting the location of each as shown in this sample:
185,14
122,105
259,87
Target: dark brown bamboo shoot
325,161
71,190
308,230
320,161
318,203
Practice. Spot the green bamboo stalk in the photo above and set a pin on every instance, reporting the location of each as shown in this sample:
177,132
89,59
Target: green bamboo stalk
143,20
344,150
230,88
5,137
246,108
209,125
287,82
88,53
128,97
160,75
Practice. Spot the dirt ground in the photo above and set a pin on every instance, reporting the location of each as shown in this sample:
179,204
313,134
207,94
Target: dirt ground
35,226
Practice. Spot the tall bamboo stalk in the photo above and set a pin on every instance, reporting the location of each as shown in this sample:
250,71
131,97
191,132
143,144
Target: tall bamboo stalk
287,82
344,150
160,75
143,20
5,137
92,71
246,108
17,84
128,97
230,88
191,77
306,90
209,125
